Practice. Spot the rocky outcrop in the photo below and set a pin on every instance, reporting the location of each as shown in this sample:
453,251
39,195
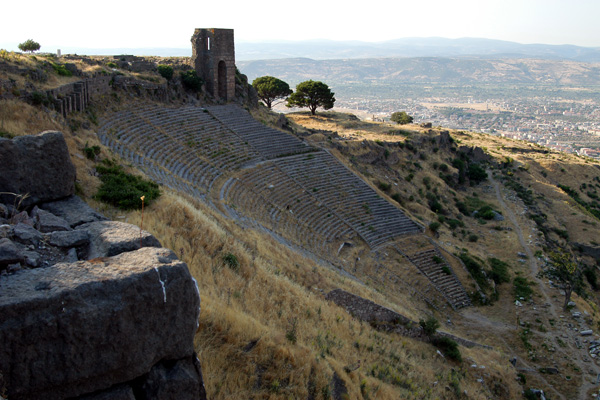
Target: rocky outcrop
89,308
77,328
37,166
474,154
121,323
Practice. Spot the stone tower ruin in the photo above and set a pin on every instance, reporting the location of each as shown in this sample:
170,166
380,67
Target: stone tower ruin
213,54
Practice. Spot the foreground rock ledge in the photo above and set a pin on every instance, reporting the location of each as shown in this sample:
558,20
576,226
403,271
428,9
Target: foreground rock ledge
79,328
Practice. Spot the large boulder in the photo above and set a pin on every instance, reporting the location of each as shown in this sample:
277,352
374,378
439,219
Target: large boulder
80,328
38,166
109,238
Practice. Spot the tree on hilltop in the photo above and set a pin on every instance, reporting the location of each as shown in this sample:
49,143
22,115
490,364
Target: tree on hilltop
401,118
312,94
270,89
29,45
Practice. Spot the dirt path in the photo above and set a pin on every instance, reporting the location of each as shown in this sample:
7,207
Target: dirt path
577,355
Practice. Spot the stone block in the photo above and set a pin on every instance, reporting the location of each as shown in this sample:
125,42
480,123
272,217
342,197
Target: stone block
69,238
47,222
26,234
9,253
74,329
74,210
109,238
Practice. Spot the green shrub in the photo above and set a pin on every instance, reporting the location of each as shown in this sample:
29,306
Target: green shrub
430,325
446,270
473,238
123,190
191,81
462,207
455,223
61,70
486,212
475,269
434,204
476,173
39,98
561,233
166,71
6,134
396,197
530,395
111,65
384,186
448,347
231,261
434,226
522,288
91,152
499,271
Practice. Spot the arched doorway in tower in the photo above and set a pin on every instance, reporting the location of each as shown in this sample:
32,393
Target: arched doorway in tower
222,80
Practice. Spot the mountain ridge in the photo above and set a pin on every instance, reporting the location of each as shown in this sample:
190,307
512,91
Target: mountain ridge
401,47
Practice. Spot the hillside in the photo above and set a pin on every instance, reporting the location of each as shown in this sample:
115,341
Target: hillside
266,329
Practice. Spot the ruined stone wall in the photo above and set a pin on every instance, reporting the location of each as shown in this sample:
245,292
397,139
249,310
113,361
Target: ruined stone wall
386,319
364,309
76,96
213,57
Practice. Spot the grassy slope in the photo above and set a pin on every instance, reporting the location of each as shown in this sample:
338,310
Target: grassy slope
265,330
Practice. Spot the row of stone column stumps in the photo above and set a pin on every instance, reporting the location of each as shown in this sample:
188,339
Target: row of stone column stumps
76,96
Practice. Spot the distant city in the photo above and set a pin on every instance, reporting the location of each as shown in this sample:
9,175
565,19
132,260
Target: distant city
568,125
545,94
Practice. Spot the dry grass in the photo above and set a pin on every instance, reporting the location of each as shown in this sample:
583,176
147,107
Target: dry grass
19,118
272,298
251,316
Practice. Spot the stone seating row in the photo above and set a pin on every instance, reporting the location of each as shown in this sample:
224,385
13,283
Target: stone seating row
269,142
376,220
274,218
276,188
138,138
431,263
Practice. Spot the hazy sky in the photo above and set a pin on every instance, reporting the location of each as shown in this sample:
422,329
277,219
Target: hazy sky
135,24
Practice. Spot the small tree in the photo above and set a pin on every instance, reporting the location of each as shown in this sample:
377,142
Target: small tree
401,118
312,94
563,268
29,45
270,89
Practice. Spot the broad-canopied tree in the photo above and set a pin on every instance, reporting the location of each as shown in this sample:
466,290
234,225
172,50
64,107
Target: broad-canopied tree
401,118
270,89
29,45
312,94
